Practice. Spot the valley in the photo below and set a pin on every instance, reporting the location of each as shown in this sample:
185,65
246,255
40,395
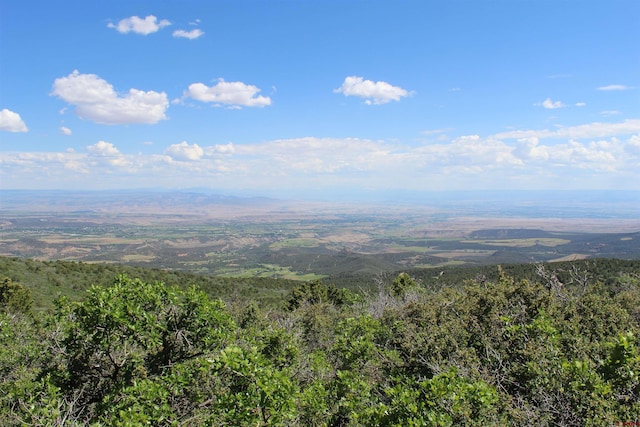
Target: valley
260,237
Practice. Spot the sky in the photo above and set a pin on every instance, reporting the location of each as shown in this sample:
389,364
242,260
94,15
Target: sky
320,98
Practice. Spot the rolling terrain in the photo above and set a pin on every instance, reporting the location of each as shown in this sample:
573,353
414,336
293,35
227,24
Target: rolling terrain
261,237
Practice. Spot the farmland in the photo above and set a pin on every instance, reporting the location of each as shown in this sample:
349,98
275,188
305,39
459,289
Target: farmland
271,238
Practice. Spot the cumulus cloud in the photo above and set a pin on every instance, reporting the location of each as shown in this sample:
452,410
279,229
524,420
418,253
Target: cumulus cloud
372,92
11,121
227,148
135,24
465,162
184,151
95,99
530,149
103,149
235,94
65,130
549,104
473,150
106,153
615,87
595,155
191,35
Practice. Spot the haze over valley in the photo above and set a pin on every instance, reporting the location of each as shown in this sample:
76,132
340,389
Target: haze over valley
252,236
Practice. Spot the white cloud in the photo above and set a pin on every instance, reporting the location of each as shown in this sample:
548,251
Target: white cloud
311,155
615,87
466,162
236,94
633,145
596,155
11,121
135,24
65,130
103,149
184,151
228,148
610,112
191,35
96,100
600,130
589,130
373,92
106,153
549,104
580,104
482,153
530,149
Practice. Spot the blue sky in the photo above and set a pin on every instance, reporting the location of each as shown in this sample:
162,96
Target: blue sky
301,97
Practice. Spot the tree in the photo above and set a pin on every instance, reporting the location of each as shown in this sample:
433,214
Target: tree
14,297
316,292
132,331
402,284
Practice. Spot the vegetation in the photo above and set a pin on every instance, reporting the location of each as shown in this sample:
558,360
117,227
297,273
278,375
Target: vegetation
48,280
560,348
304,242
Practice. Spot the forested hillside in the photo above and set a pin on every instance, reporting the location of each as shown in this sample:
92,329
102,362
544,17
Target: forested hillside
48,280
544,345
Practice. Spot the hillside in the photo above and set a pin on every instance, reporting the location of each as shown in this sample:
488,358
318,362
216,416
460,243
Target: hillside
543,344
48,280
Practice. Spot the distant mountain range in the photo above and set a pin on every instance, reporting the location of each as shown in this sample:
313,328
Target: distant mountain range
531,204
117,200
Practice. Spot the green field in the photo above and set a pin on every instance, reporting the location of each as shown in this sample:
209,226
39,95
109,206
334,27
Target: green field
306,244
521,243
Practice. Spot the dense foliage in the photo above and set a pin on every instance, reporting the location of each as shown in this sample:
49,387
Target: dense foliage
554,350
48,280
